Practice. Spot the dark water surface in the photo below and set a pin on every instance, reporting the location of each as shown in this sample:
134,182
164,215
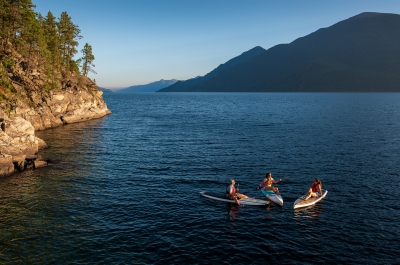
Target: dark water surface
124,189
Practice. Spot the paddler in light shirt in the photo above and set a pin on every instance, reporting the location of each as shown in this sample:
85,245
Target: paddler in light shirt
232,192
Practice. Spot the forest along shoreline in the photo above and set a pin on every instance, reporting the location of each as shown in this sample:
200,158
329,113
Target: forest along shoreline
41,86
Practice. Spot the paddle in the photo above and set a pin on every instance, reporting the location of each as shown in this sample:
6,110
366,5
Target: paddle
286,177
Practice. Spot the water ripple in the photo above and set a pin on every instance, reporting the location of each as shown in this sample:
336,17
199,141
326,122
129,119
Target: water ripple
124,189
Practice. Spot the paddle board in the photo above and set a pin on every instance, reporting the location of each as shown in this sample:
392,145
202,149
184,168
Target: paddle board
222,197
272,197
311,201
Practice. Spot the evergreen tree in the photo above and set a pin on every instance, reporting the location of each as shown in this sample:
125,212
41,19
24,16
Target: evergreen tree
32,37
52,40
5,24
68,35
21,12
87,60
44,40
13,16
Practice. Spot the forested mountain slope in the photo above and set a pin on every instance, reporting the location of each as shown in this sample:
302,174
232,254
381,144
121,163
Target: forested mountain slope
359,54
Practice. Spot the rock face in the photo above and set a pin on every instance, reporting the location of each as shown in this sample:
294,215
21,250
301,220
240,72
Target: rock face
68,106
6,165
32,101
17,144
72,103
18,138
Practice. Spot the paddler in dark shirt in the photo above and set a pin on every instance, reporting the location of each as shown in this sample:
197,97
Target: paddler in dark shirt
315,190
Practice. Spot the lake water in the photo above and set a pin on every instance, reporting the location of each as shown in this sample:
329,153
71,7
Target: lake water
124,189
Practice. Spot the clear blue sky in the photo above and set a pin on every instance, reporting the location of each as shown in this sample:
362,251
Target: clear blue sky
141,41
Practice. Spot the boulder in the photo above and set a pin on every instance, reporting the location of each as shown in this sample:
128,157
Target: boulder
19,162
18,127
6,165
41,144
39,163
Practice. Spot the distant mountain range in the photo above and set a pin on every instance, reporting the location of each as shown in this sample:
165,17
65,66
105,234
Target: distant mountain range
151,87
359,54
105,90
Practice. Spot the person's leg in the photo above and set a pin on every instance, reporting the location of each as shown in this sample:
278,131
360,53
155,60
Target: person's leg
233,197
242,196
270,188
236,200
308,195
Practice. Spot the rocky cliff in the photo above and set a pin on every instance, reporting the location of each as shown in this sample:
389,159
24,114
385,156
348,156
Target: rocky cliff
31,100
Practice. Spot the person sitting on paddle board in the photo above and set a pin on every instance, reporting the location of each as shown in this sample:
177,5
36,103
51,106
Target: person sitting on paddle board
233,194
315,190
263,184
268,181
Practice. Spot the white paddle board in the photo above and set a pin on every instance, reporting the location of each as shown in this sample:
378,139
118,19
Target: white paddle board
272,197
222,197
300,202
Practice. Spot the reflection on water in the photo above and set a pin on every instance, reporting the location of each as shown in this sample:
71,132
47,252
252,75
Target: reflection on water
38,207
81,139
233,210
309,211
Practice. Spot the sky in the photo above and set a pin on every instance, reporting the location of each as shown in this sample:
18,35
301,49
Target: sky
136,42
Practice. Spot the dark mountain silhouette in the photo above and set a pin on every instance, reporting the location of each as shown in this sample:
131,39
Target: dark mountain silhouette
198,81
359,54
151,87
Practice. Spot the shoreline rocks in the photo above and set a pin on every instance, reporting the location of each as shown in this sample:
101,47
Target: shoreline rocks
19,146
37,99
6,165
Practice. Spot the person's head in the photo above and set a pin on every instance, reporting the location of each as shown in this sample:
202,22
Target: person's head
268,175
232,181
317,181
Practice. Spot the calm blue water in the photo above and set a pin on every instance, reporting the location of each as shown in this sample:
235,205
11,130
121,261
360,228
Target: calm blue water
124,189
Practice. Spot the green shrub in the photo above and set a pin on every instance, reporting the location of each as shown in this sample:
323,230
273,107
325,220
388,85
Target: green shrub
74,67
8,62
7,87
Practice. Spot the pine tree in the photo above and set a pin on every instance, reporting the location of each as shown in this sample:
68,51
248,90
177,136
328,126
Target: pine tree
44,40
68,33
21,12
87,60
5,22
51,35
